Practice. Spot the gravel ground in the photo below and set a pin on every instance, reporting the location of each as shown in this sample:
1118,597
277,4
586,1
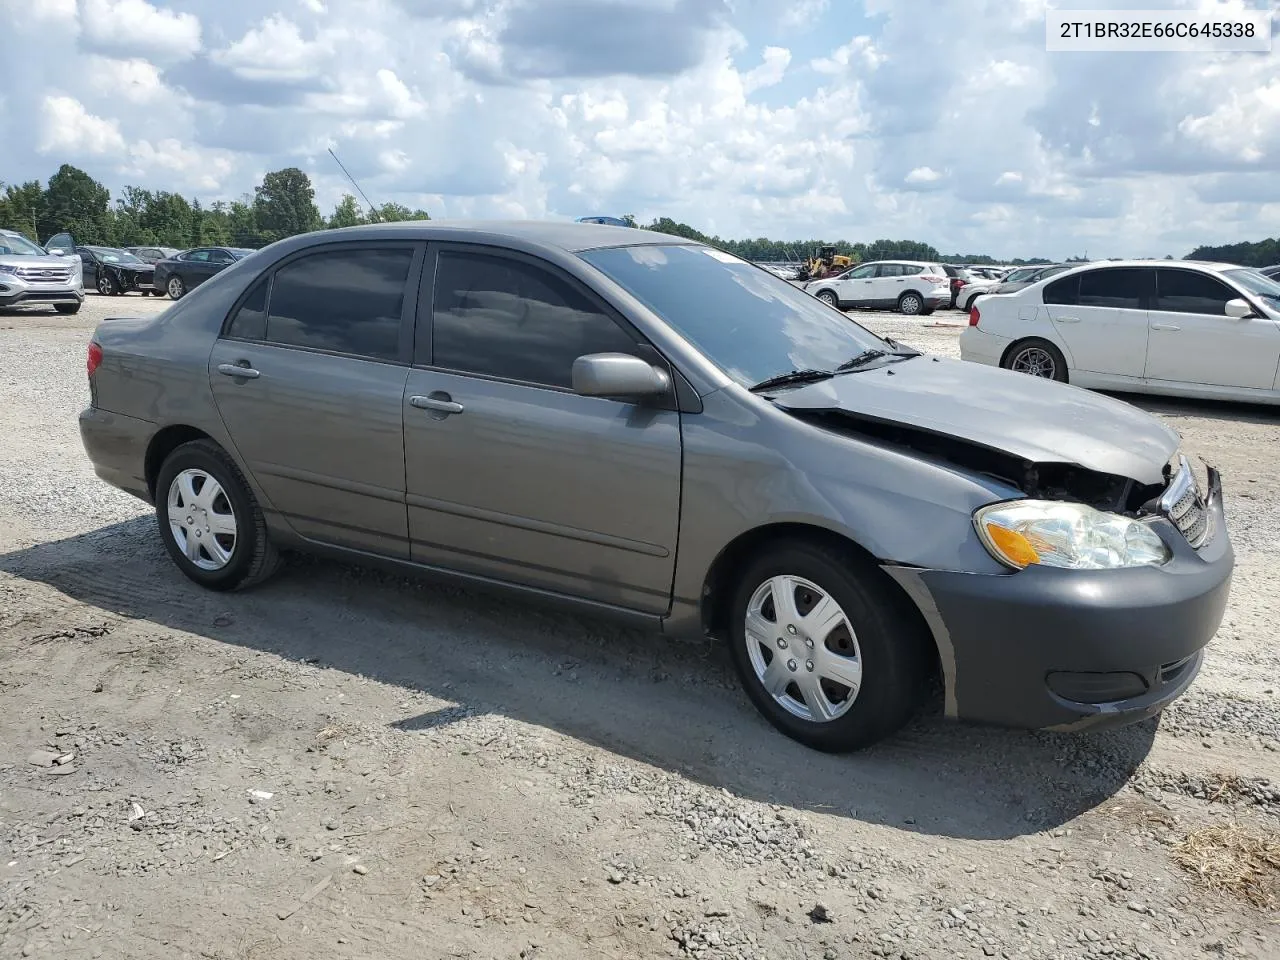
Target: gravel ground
347,764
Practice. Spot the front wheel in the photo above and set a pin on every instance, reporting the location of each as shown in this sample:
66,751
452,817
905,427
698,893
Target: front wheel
106,286
210,521
1036,357
829,298
176,288
825,647
910,304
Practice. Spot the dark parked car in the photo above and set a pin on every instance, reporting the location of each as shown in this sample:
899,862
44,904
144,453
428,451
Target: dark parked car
957,278
153,254
1272,273
186,271
646,427
109,270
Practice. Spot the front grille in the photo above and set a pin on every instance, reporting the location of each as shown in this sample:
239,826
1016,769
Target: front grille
44,274
1185,507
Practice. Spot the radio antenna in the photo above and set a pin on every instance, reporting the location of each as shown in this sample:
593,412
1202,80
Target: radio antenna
373,211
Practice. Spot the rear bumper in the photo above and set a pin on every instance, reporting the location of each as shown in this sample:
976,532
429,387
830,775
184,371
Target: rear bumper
978,346
117,448
1048,648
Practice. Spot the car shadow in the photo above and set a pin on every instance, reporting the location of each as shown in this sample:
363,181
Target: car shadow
673,704
1196,407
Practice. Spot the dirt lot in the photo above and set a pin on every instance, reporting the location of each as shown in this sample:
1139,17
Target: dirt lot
343,764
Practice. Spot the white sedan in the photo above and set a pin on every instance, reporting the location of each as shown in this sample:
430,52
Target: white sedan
1146,326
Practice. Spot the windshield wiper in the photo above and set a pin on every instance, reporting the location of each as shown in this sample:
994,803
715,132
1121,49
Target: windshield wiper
794,376
901,349
861,360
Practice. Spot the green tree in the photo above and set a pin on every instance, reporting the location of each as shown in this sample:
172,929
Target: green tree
285,204
20,208
398,212
346,214
75,202
214,226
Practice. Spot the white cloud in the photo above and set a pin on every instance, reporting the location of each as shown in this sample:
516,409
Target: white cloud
136,80
135,26
923,175
276,50
770,72
69,129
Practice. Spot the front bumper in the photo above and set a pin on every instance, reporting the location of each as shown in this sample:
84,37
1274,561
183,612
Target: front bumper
15,291
1048,648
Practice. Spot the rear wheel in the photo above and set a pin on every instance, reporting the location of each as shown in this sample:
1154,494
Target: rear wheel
825,647
176,288
910,304
210,521
67,307
1036,357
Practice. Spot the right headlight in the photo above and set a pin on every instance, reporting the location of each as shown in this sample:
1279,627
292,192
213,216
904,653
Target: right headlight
1051,533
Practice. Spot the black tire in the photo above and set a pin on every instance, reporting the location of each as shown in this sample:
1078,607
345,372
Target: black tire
829,298
106,286
1021,357
910,304
175,287
67,308
890,636
254,558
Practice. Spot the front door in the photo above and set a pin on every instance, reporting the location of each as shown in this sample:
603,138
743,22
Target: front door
195,268
510,474
1193,340
309,377
1101,315
89,269
855,286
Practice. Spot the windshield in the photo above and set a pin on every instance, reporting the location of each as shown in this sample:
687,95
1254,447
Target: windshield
1019,275
11,246
110,255
1257,284
748,322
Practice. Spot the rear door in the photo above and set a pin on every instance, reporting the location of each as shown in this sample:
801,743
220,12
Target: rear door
309,377
1101,316
511,474
1193,340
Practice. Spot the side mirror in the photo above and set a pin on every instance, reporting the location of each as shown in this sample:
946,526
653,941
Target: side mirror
57,251
1238,309
617,375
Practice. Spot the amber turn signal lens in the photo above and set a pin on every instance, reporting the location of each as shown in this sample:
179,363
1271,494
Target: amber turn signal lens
1016,548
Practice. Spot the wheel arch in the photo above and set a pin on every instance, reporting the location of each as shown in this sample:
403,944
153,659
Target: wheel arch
721,577
164,443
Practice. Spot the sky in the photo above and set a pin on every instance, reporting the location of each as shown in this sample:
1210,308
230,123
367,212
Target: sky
937,120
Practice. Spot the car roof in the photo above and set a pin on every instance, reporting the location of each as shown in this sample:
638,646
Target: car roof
567,235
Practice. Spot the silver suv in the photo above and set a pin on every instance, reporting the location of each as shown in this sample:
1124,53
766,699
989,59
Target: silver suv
29,275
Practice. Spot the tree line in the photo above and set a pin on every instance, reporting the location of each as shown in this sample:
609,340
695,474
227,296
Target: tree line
281,206
284,205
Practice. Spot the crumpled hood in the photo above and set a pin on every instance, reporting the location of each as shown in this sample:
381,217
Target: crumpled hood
1036,420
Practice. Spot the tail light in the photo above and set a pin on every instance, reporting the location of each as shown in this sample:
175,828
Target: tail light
959,283
931,278
974,316
95,357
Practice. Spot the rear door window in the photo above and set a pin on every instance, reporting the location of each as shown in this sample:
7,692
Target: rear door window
1189,291
1117,288
196,256
341,301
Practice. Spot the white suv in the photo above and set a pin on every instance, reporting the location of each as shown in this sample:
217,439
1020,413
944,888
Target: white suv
908,286
1148,326
29,275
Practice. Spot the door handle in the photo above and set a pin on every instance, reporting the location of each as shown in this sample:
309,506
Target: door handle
443,403
1165,326
236,370
1067,319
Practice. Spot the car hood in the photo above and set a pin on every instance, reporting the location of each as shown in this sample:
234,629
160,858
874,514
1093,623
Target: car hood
35,263
1037,420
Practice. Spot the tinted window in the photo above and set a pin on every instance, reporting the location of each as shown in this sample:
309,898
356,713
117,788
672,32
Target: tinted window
504,318
250,321
1185,291
748,322
1062,291
1118,288
346,301
199,256
862,273
910,271
220,256
890,270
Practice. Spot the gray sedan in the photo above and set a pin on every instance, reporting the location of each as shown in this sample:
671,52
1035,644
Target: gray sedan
651,428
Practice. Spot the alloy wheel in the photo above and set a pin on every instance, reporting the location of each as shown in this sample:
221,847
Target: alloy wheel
202,520
803,648
1036,361
175,287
